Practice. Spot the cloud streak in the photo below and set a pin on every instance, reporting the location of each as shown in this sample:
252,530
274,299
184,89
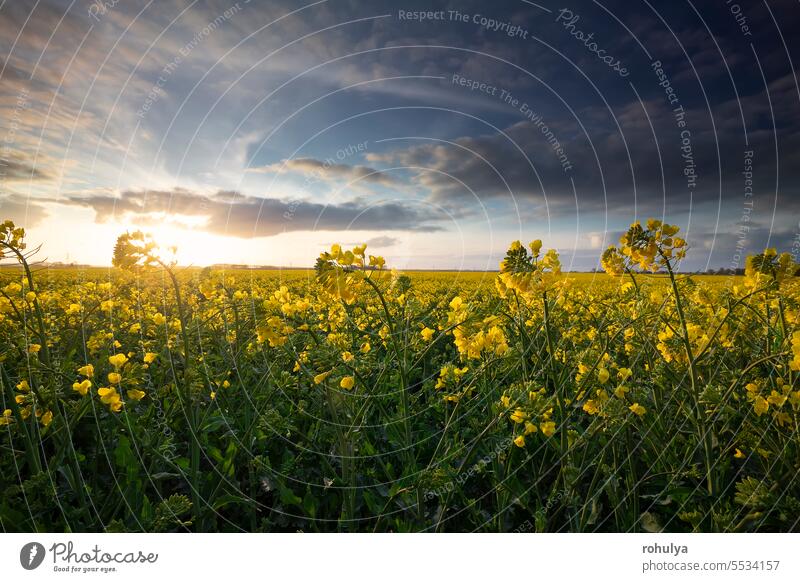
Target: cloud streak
15,167
328,171
229,213
24,212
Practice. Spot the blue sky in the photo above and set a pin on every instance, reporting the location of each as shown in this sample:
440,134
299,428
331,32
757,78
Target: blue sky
261,132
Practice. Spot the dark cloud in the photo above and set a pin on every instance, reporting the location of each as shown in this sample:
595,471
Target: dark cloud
229,213
631,158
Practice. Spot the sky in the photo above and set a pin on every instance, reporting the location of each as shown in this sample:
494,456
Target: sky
261,132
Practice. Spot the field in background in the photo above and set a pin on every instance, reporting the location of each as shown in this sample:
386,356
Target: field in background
147,397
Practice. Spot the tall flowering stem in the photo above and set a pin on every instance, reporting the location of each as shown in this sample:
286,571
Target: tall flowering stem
343,274
650,249
526,272
137,252
12,242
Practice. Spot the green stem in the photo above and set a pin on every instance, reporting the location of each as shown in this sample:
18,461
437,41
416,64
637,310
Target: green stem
700,420
557,388
190,410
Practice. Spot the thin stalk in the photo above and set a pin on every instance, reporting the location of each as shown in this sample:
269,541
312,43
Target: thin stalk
700,420
191,412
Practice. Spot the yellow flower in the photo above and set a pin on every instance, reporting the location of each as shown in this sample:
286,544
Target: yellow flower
520,441
602,375
427,334
107,394
760,405
320,378
530,428
87,370
590,407
6,418
150,357
114,378
347,383
613,262
82,387
213,395
347,357
134,394
548,428
739,454
365,348
519,416
34,348
47,418
23,386
117,360
621,390
777,399
110,397
637,409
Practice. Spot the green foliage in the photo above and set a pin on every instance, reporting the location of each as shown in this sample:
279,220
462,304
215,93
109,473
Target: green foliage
369,401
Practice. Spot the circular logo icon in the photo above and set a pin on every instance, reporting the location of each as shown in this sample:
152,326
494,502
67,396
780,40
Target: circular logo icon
31,555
